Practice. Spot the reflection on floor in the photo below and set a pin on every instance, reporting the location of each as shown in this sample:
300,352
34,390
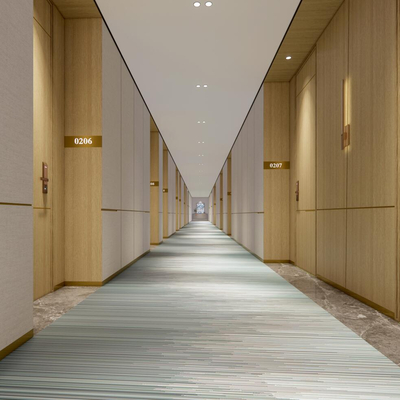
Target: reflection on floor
199,317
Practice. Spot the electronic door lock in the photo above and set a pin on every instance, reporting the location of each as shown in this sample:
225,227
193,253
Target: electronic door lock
45,178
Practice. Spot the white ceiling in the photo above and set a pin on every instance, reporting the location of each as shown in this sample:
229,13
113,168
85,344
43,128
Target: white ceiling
170,46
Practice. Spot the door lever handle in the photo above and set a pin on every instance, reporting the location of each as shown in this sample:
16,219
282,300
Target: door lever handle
45,178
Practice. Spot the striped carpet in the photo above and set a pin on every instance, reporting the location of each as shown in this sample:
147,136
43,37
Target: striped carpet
198,318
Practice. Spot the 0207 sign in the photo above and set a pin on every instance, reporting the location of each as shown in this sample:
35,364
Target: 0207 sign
275,165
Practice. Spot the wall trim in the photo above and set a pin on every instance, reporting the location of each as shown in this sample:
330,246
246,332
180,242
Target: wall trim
369,303
102,283
17,343
277,262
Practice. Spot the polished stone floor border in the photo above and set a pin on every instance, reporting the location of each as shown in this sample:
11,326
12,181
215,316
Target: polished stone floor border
199,317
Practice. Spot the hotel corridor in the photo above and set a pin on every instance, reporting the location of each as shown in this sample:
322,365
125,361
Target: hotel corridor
198,317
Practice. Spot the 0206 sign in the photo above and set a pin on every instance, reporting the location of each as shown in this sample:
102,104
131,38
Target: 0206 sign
79,141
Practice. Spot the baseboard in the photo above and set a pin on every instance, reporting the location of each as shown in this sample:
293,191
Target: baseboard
14,345
276,261
110,278
167,237
59,286
369,303
156,244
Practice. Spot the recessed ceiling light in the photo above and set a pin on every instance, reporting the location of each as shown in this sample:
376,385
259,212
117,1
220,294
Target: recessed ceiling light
208,3
204,122
199,122
197,4
205,85
288,57
197,85
202,142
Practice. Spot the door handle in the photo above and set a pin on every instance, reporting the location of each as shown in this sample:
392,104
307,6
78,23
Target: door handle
45,178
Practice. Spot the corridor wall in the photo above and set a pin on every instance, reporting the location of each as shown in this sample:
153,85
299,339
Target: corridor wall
172,171
218,195
156,188
107,188
16,165
344,226
247,181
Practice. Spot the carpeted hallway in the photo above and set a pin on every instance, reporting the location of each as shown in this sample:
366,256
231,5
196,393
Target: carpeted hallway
199,317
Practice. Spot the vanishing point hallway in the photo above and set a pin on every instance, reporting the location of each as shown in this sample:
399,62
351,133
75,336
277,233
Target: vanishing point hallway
199,317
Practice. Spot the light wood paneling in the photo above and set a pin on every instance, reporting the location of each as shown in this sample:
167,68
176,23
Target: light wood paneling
305,256
276,216
331,245
305,133
308,24
371,255
165,192
42,116
293,170
306,73
146,164
276,122
42,274
139,153
221,201
154,190
83,226
229,198
373,109
58,183
77,8
83,77
111,80
127,137
42,14
332,70
276,182
83,180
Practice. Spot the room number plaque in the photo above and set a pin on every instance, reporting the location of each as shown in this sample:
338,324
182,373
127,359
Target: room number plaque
83,141
277,165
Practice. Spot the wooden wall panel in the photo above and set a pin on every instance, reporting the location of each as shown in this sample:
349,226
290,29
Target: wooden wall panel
42,114
259,152
83,80
332,70
42,14
139,153
155,190
293,171
229,225
42,273
276,182
372,167
83,182
306,73
83,226
58,184
166,207
305,133
127,138
146,163
371,255
305,258
331,245
111,115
